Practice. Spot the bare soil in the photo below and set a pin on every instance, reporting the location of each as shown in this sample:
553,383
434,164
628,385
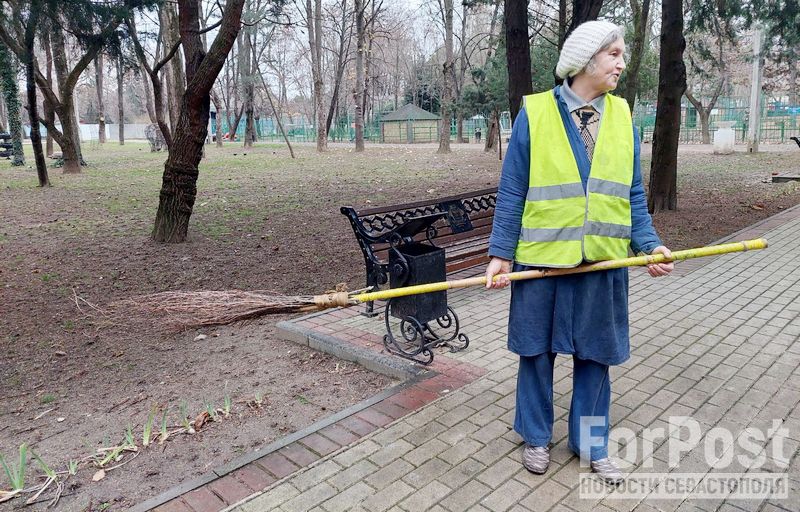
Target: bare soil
74,381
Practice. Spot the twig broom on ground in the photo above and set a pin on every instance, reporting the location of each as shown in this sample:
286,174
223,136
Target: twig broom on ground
209,308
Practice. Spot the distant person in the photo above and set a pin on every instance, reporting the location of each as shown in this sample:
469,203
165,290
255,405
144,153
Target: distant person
478,135
571,192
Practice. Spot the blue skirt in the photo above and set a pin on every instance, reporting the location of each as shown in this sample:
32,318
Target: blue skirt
582,314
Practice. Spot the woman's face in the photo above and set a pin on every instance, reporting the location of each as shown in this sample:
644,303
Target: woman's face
607,66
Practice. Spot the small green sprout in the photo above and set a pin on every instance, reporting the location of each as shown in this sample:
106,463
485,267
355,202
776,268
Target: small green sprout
16,475
148,427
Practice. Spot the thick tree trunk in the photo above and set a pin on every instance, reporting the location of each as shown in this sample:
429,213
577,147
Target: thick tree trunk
358,86
30,82
10,88
663,194
518,53
101,116
179,183
71,141
120,100
641,16
447,78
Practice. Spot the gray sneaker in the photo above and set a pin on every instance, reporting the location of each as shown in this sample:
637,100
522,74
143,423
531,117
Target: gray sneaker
607,470
536,459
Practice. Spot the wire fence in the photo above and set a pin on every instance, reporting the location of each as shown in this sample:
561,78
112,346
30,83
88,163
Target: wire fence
779,120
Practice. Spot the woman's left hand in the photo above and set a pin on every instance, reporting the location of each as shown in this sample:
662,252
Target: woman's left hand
661,269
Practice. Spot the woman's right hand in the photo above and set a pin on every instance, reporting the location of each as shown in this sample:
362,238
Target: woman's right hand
497,266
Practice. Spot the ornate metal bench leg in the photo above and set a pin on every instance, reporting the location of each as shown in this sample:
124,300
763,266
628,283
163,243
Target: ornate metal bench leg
416,339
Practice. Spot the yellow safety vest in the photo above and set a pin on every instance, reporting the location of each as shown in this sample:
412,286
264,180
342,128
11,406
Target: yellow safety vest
563,225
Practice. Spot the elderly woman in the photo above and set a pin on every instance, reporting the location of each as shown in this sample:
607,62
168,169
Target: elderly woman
571,192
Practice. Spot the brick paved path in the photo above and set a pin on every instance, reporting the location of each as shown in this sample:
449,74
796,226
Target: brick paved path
718,342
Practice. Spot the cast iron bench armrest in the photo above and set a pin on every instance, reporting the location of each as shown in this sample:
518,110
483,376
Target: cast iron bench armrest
464,234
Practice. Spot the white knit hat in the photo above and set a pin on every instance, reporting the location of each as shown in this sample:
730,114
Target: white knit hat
581,45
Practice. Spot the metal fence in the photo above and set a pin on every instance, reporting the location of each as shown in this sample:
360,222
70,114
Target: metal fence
779,120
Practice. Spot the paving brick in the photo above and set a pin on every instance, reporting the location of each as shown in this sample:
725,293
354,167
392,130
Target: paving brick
309,498
254,477
339,434
501,471
346,499
277,464
356,452
272,498
545,496
299,454
203,500
374,417
350,475
388,474
426,472
465,496
357,426
230,489
425,497
461,473
506,496
312,476
320,445
388,497
391,452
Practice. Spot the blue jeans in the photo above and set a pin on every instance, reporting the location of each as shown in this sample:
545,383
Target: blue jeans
591,399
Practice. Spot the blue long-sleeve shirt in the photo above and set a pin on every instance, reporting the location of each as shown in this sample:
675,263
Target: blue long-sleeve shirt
583,314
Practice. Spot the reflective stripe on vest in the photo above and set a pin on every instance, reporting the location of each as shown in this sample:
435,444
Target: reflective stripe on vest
563,225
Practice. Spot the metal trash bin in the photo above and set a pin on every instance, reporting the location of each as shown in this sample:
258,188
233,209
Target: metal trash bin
426,321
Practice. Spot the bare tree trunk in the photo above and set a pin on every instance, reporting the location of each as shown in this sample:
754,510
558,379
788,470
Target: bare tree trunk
663,194
793,78
641,17
447,77
49,113
151,111
314,17
248,86
218,106
70,141
461,75
492,132
121,99
175,77
358,87
30,79
518,53
179,184
101,109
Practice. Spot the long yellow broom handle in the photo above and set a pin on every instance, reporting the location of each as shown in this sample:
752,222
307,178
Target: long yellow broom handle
713,250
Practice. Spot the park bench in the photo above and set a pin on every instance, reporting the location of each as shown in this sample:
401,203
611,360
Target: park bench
5,145
459,225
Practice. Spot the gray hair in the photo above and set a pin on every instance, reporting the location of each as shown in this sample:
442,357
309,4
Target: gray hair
611,38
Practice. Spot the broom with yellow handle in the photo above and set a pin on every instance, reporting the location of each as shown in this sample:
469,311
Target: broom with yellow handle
207,308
